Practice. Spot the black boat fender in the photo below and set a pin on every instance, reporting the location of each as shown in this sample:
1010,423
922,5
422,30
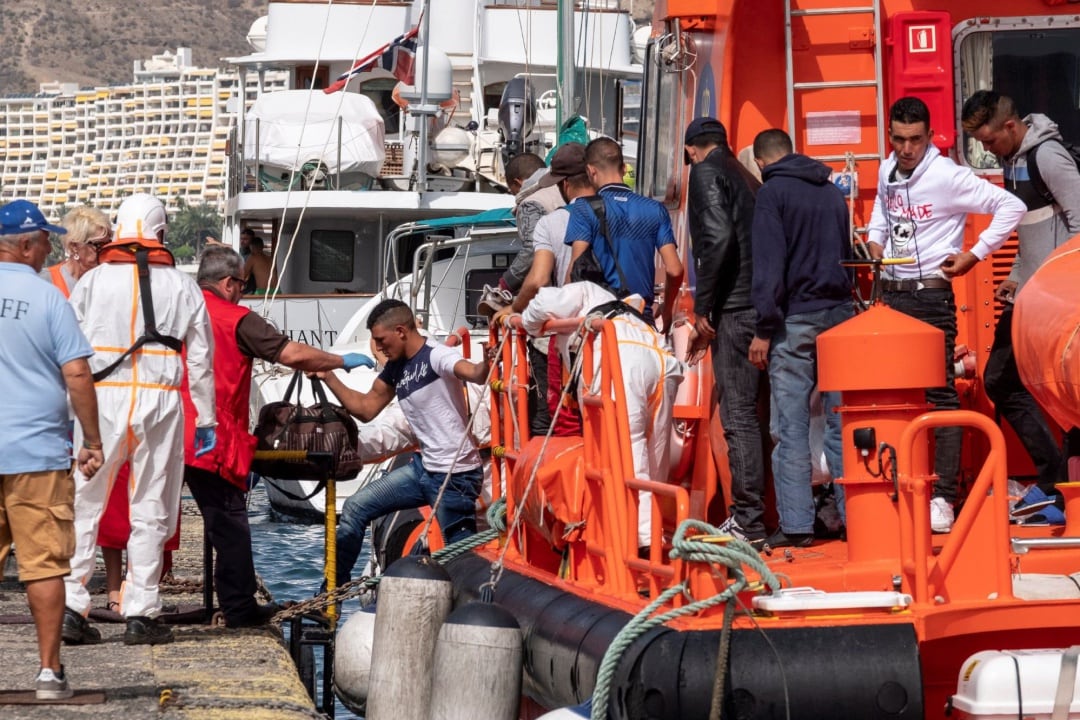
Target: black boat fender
809,673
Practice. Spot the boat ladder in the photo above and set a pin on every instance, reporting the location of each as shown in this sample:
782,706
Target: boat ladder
810,46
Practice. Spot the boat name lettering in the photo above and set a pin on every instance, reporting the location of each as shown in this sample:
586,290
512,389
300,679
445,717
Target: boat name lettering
313,336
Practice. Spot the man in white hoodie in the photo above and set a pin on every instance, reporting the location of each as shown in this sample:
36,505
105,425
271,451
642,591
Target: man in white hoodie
922,203
1031,154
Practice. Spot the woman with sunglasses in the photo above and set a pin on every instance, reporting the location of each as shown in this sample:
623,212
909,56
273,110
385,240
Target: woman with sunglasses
88,230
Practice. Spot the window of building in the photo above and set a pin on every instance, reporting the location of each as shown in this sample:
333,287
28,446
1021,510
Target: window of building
1006,57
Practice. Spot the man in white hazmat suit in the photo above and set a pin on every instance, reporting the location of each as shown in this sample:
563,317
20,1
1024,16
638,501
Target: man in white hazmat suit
650,373
141,410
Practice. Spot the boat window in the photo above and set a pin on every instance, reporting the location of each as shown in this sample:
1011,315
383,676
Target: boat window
407,245
332,254
493,96
660,136
381,90
1007,57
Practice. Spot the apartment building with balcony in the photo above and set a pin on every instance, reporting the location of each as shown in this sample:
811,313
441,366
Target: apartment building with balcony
165,133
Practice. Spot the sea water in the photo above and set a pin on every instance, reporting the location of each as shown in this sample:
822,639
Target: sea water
289,559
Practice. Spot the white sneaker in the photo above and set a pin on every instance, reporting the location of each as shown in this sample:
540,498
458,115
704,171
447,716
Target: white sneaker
492,300
941,515
50,686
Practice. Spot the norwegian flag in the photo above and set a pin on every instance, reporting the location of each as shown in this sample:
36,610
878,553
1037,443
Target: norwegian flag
398,57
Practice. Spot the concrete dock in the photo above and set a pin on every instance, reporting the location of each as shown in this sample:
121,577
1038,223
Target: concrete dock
208,672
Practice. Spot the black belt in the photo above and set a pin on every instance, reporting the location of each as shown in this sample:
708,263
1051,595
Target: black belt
915,284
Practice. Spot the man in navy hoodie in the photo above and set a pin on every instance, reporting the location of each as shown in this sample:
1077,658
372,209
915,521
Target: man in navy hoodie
801,233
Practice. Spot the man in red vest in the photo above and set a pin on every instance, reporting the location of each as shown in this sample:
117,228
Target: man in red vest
219,479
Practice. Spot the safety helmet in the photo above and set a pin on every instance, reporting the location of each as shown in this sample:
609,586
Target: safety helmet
140,217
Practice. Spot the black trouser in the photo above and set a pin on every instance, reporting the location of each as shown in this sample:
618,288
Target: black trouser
937,307
1015,404
224,510
539,417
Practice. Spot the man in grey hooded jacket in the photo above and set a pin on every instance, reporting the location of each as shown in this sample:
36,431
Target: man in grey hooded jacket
992,119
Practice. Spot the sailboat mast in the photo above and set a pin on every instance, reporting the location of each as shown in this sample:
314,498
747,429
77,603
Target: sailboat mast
564,68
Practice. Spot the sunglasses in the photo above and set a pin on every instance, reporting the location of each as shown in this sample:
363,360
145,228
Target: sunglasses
235,279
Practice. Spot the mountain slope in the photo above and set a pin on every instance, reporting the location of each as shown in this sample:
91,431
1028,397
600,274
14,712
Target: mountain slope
95,42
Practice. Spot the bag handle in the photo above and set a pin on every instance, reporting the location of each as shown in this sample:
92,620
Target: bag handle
318,391
295,384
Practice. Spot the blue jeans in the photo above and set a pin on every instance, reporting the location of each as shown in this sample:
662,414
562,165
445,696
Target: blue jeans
405,488
937,307
739,384
793,377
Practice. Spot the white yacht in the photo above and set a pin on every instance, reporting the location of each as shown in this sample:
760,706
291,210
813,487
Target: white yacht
355,191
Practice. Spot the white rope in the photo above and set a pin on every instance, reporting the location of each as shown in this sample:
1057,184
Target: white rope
272,293
497,567
465,437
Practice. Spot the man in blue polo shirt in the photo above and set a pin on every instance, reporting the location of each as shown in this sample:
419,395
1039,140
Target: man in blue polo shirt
42,359
637,228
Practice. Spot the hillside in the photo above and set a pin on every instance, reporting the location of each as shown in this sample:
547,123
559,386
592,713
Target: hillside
95,42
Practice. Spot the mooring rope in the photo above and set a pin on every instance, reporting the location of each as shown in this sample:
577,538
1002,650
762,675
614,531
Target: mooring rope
733,554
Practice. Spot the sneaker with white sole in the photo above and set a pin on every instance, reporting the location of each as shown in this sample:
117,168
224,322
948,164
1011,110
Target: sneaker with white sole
52,686
941,515
492,300
731,527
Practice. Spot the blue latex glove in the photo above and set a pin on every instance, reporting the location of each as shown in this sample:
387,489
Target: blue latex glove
355,360
205,440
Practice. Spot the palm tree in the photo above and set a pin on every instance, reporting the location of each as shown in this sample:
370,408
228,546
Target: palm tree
191,224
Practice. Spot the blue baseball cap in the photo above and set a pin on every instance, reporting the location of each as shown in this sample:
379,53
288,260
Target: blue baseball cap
22,216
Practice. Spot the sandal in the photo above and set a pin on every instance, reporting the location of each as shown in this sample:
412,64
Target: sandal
113,606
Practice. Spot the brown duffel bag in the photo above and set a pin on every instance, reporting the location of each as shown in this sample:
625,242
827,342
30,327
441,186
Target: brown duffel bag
324,430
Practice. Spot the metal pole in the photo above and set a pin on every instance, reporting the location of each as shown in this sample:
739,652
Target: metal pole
337,175
425,118
564,68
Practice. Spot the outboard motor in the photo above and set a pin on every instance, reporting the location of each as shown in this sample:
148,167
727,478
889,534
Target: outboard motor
517,114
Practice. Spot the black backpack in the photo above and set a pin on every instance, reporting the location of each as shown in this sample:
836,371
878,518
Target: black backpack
1033,167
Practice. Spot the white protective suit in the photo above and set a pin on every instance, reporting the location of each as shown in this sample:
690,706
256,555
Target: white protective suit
141,417
650,372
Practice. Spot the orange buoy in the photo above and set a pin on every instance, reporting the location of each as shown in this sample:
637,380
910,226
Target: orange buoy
1046,334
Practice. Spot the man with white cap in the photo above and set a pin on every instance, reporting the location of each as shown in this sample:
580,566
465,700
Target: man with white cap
139,314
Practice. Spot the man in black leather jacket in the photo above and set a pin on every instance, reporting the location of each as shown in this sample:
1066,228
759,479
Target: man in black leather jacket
720,212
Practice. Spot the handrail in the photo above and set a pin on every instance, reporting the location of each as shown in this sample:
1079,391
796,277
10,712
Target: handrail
915,546
608,466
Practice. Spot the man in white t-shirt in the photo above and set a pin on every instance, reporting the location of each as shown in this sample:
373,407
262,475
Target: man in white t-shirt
426,379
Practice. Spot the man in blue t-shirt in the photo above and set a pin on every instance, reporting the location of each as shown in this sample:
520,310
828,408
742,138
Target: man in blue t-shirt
426,379
637,228
42,360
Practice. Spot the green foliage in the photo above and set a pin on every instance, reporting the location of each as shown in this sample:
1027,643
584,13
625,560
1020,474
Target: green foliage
189,227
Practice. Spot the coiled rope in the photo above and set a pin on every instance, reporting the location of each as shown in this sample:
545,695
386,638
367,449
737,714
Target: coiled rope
700,546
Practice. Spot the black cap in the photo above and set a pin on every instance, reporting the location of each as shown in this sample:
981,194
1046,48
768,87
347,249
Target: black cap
568,160
703,126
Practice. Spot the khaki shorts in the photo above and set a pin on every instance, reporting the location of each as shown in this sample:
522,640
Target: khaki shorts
37,513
